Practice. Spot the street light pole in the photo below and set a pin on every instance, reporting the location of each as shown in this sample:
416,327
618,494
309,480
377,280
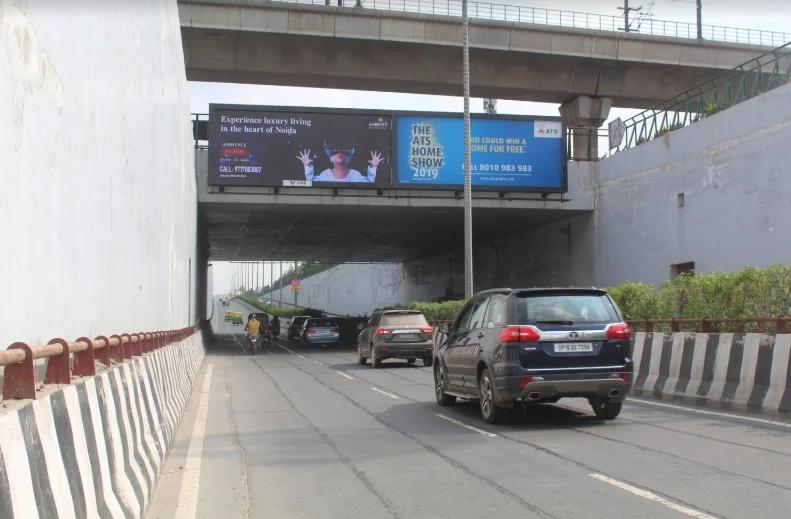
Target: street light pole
467,157
700,19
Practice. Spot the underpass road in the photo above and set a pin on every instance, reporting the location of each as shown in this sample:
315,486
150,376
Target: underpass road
307,432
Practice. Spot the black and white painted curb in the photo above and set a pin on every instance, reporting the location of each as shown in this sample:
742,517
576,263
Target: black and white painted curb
742,372
731,371
94,449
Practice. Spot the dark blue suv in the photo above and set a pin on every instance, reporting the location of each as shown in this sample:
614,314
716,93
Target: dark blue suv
513,348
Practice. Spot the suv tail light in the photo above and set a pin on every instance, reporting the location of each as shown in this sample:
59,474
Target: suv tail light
619,331
383,330
519,334
427,329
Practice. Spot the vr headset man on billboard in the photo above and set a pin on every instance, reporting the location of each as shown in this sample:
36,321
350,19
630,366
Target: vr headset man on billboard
340,152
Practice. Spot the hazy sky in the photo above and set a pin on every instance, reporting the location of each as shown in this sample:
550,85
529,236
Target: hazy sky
767,15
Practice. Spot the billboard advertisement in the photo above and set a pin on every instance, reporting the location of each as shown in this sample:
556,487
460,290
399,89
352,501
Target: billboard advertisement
255,146
507,154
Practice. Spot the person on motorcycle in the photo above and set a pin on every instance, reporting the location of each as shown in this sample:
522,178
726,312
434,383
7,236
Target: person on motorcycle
274,326
252,328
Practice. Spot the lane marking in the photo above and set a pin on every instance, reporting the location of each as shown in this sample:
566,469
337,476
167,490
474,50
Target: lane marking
391,395
470,427
302,357
652,497
711,413
188,496
317,362
341,373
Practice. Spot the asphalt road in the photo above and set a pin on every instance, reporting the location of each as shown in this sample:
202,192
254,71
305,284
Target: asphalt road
309,433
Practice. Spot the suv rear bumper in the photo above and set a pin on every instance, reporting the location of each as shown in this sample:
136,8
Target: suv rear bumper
552,387
394,350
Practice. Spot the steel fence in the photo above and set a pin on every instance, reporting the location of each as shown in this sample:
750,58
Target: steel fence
757,76
578,20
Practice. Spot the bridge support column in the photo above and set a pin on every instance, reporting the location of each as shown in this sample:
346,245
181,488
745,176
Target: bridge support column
585,116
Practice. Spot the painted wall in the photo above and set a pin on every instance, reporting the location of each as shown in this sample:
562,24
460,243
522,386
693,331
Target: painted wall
97,200
734,171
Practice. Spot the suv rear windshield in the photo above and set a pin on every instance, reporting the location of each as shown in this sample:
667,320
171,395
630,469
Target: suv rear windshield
321,323
574,307
404,319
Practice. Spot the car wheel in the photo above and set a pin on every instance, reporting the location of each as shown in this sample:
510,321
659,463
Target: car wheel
489,410
428,360
604,409
411,360
362,360
376,362
443,399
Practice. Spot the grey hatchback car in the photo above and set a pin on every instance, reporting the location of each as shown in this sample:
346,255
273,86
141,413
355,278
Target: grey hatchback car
396,334
514,348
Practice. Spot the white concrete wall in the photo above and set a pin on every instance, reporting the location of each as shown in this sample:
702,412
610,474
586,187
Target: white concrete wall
735,173
97,192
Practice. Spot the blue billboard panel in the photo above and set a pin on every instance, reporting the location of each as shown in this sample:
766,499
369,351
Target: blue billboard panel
506,153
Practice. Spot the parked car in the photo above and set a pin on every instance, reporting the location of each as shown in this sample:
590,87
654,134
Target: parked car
320,331
396,334
514,348
295,327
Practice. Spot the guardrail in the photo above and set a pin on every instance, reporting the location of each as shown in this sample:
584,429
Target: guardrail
19,378
748,80
578,20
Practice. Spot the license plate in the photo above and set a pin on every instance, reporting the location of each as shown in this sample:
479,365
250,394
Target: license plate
573,347
407,337
322,332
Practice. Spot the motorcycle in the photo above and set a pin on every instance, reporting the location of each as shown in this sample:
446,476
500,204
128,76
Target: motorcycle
267,335
254,343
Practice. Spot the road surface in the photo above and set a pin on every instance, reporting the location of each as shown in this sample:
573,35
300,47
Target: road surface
309,433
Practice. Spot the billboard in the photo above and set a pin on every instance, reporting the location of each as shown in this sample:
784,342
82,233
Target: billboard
507,154
259,146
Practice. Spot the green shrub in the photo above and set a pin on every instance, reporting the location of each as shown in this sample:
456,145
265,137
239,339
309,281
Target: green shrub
741,294
274,310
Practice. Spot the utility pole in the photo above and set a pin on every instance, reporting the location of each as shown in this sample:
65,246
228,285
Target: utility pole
700,19
465,24
280,299
626,10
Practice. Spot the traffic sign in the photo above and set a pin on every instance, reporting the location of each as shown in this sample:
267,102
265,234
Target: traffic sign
296,284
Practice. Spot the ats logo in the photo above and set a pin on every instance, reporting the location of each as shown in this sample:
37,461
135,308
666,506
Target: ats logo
548,129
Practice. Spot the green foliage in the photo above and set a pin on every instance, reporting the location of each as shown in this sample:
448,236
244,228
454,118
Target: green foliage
446,311
304,271
742,294
273,310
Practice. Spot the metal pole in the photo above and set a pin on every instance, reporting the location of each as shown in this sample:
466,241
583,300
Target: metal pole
280,298
271,278
295,292
700,19
467,157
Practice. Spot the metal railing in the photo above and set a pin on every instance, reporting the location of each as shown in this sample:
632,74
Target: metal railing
76,359
755,77
599,22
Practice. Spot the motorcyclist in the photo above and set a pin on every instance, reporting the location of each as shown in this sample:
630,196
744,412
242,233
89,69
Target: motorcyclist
252,327
274,326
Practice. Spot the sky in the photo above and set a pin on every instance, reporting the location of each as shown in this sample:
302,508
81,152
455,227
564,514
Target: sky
767,15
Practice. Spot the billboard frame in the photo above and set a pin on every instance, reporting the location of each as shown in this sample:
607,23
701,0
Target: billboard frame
394,118
564,180
213,107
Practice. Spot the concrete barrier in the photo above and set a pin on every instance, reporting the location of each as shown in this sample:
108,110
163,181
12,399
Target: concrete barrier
94,449
730,371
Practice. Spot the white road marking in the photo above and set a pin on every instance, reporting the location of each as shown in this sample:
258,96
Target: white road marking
713,413
470,427
287,349
652,497
302,357
341,373
317,362
188,497
391,395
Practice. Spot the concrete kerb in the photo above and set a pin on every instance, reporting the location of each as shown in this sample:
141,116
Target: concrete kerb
137,404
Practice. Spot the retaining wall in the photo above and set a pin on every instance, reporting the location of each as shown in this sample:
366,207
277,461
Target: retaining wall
94,448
